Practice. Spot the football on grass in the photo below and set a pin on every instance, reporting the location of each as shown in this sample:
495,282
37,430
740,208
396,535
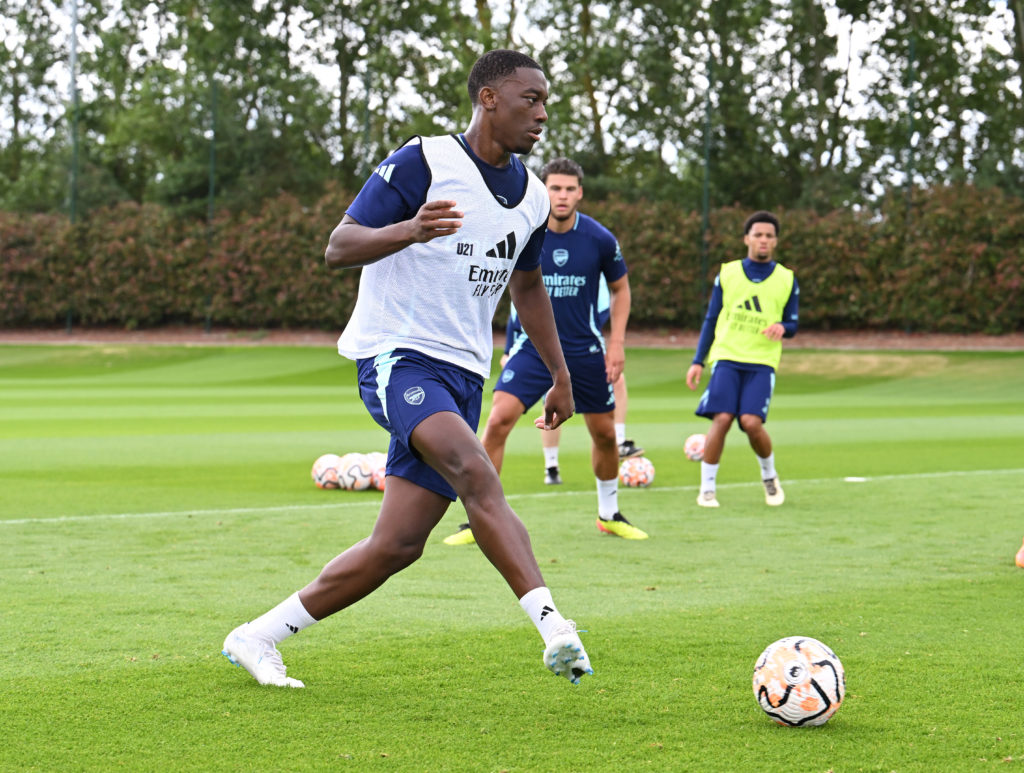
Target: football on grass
799,682
636,472
325,471
378,462
694,447
355,472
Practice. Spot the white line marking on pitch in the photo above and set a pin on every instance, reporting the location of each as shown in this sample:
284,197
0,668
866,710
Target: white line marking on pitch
511,497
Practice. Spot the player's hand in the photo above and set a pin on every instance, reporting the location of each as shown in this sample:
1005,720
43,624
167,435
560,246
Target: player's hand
774,331
693,375
434,219
614,361
558,406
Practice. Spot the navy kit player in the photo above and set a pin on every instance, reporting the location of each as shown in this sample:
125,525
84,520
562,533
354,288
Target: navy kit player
754,305
577,251
550,440
440,229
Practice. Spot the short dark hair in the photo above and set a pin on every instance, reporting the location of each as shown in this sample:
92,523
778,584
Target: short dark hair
562,166
494,66
761,217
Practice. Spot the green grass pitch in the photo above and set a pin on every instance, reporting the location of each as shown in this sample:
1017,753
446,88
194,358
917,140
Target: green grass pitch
154,497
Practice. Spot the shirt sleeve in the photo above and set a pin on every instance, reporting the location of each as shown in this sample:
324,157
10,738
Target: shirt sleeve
613,265
529,259
395,190
512,328
707,331
791,312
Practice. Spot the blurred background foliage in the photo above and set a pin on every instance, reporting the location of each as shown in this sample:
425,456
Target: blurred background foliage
254,98
194,167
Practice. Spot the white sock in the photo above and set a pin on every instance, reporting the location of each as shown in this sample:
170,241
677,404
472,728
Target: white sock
551,457
620,433
541,609
607,498
708,473
282,621
767,466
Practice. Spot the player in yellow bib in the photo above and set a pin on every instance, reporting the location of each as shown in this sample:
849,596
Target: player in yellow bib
754,305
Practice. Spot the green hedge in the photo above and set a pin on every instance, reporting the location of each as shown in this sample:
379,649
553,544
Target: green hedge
952,261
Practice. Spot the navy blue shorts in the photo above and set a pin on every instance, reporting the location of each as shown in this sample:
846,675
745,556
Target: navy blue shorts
526,376
737,388
403,387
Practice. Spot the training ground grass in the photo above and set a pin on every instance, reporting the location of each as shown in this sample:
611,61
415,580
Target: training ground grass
155,497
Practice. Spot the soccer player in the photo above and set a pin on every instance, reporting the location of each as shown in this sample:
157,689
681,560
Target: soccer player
550,440
440,228
754,305
577,251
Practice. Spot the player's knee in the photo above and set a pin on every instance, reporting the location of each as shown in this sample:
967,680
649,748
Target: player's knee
751,423
500,424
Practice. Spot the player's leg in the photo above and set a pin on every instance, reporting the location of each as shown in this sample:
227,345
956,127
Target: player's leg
415,500
522,382
604,458
720,403
627,448
714,444
550,440
452,448
761,443
407,515
506,410
756,398
757,435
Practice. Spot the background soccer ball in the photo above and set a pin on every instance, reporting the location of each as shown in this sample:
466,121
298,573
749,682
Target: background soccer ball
325,471
355,472
637,472
377,462
694,447
798,681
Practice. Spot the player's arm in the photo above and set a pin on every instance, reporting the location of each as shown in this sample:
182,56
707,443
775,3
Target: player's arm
619,300
533,305
352,244
790,317
707,336
391,212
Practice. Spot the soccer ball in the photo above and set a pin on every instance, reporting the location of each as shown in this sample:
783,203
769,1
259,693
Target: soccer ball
377,462
325,471
354,472
636,472
694,447
798,682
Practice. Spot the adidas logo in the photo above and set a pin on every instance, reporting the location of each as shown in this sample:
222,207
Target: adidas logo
754,304
506,249
544,611
292,628
385,170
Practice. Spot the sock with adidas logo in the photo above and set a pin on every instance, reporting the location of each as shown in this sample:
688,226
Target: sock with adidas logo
708,476
767,466
607,498
541,609
287,618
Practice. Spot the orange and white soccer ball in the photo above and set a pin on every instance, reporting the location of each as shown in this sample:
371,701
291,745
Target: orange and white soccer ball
355,472
377,461
636,472
694,447
325,471
798,682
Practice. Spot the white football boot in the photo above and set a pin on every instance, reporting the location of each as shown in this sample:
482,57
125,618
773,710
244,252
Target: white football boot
565,655
258,656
